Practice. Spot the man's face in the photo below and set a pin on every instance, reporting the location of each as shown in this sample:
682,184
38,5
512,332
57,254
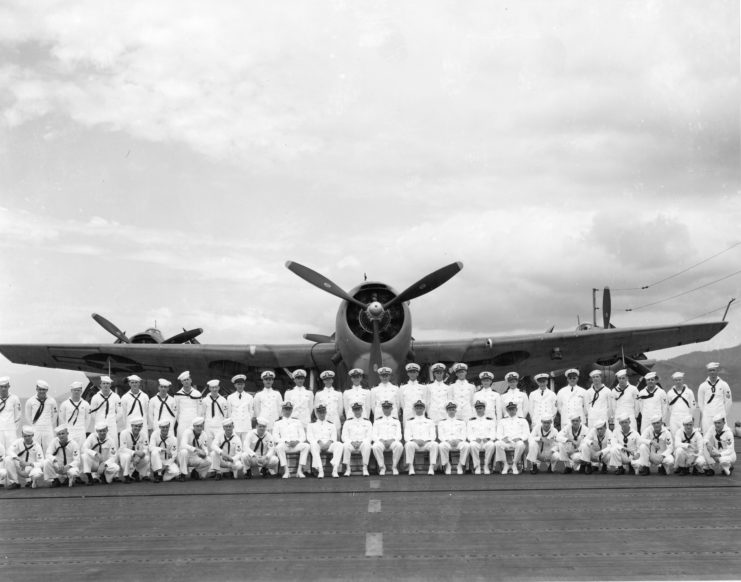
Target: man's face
688,426
677,383
451,412
511,410
267,382
239,386
27,439
229,430
298,380
545,425
385,378
542,385
287,412
63,436
512,383
596,379
657,426
623,381
356,380
486,382
625,426
719,424
575,423
41,393
163,391
214,391
321,414
413,375
461,374
164,431
386,410
419,410
4,390
572,379
105,387
357,412
198,429
713,375
438,374
187,384
135,386
76,393
328,382
601,431
136,429
102,434
480,410
650,383
261,428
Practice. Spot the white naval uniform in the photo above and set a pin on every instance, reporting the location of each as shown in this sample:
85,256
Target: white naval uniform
518,397
723,444
163,455
100,457
357,429
481,432
625,402
241,411
569,445
542,403
569,401
387,428
689,450
650,404
493,401
232,446
325,431
598,404
188,457
267,404
189,407
10,420
420,428
461,392
62,461
543,446
713,399
76,415
680,404
511,427
285,431
356,394
259,451
43,418
133,405
332,399
624,449
595,449
129,444
303,403
31,454
106,409
410,393
439,393
160,409
385,391
215,411
448,430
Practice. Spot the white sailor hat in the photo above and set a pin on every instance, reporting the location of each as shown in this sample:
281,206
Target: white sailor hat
164,382
574,416
412,367
621,373
163,423
595,373
486,375
357,405
450,405
687,419
61,428
103,425
134,378
212,383
539,377
511,404
546,418
76,386
678,376
387,404
261,420
719,416
419,404
267,374
27,430
359,372
287,404
571,371
5,381
460,366
479,404
437,367
184,376
106,379
321,407
198,420
136,420
42,384
239,378
511,375
227,422
299,374
384,370
326,374
622,417
712,366
600,423
651,375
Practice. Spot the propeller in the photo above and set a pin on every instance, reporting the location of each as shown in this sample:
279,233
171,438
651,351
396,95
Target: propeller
636,366
606,308
184,337
111,328
318,338
426,284
311,276
376,357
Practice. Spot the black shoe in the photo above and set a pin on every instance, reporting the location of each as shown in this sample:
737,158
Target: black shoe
662,470
631,470
136,476
127,479
28,484
620,471
582,468
709,472
78,481
643,471
156,478
218,476
181,478
56,483
534,470
684,471
194,475
89,482
695,470
264,472
568,470
603,470
14,486
588,468
146,478
550,469
248,474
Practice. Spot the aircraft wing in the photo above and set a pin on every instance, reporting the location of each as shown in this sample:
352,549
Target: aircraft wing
534,353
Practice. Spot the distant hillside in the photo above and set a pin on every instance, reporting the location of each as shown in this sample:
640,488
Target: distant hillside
693,365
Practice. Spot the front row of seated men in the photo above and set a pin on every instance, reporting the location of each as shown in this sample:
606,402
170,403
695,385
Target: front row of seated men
575,447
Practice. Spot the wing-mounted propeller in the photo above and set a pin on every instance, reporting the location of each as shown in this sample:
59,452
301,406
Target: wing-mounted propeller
606,308
111,328
184,337
149,336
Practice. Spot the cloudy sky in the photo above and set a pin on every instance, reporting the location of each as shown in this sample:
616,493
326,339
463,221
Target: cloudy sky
161,161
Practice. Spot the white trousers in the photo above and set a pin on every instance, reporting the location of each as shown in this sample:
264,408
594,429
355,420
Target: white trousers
58,472
108,468
488,447
129,465
648,457
430,446
549,454
188,461
170,466
687,458
335,449
445,447
301,448
223,466
17,475
501,449
364,450
251,460
396,448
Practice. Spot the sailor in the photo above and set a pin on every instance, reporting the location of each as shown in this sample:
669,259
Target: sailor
135,403
481,432
24,461
193,456
596,446
387,437
214,409
75,413
357,435
542,401
719,445
162,406
512,435
451,434
100,456
624,400
259,450
42,414
226,451
331,398
542,445
356,393
301,397
598,399
290,437
105,406
133,451
163,453
713,397
268,402
625,443
385,391
62,461
513,394
656,448
680,402
419,434
461,392
189,406
570,439
689,448
651,400
412,391
570,399
10,414
439,394
489,396
322,437
241,407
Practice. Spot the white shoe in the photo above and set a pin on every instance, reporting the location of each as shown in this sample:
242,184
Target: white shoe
431,471
71,482
515,470
505,469
286,475
447,469
727,470
477,471
300,475
33,484
411,470
394,471
487,471
382,471
335,474
365,471
459,470
348,472
321,474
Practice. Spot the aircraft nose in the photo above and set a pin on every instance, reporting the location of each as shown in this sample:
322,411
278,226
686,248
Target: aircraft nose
375,309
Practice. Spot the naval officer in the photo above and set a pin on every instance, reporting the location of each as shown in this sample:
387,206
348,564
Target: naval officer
490,397
331,398
461,392
322,437
419,434
356,393
512,435
439,394
512,393
357,435
240,405
385,392
412,391
542,401
570,399
481,432
301,397
387,437
290,437
451,433
268,402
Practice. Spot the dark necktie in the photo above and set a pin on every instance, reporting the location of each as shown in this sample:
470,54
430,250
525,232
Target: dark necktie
596,396
228,443
259,444
27,450
196,444
105,401
2,403
677,397
621,394
99,446
687,439
63,448
75,412
647,395
134,441
214,405
163,404
625,439
133,404
41,409
577,433
718,439
712,389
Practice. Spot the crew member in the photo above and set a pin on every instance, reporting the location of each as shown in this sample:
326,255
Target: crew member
290,437
624,400
356,393
135,403
189,406
719,445
100,455
598,399
596,447
419,434
513,394
331,398
62,461
193,456
387,437
75,413
322,437
162,406
215,409
412,391
481,432
133,451
713,397
226,451
680,402
542,445
259,450
24,461
570,439
301,397
105,406
512,434
42,414
489,396
656,448
451,433
570,400
385,392
625,443
241,409
689,448
439,395
651,400
461,392
357,435
542,401
10,415
163,453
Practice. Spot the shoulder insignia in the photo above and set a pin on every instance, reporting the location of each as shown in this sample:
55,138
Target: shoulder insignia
489,418
473,418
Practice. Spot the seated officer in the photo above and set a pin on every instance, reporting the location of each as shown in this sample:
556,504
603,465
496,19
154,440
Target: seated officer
387,437
357,434
419,434
290,437
481,432
322,437
512,435
451,433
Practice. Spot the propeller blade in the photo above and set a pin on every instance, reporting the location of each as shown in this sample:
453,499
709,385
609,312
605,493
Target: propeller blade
184,336
111,328
320,281
318,338
376,358
426,284
636,366
606,308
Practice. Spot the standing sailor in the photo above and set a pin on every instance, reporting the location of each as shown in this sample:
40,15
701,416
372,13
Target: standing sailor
241,408
651,400
189,406
75,413
214,409
105,406
162,406
713,397
461,392
135,403
301,397
598,399
42,414
10,415
680,402
624,400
